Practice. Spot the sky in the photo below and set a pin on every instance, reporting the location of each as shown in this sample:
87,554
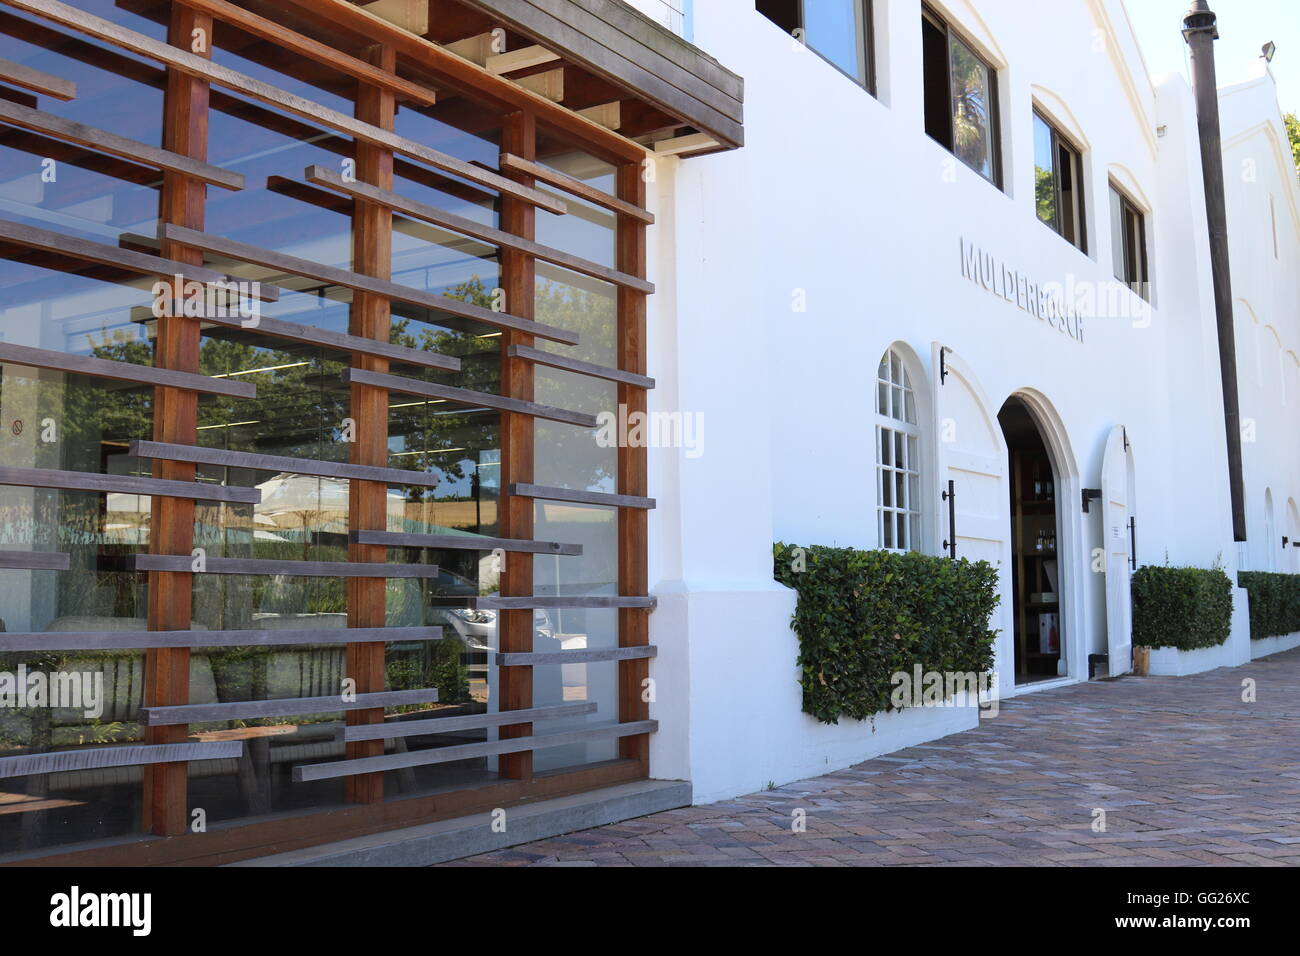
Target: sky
1244,27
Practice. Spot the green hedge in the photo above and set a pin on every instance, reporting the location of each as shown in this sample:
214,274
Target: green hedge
1184,608
1274,603
864,616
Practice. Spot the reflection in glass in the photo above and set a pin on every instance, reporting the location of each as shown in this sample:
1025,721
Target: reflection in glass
1044,173
834,29
972,96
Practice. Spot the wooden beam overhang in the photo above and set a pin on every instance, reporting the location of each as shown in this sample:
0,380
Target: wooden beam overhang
664,85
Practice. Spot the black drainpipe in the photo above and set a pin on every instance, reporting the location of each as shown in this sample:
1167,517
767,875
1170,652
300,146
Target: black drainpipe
1200,31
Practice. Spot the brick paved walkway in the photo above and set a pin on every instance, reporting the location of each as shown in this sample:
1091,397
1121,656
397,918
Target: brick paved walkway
1187,774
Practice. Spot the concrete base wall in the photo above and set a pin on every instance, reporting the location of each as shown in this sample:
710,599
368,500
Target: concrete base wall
1273,645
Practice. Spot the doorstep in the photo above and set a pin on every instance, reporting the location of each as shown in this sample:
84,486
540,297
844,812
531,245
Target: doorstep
470,835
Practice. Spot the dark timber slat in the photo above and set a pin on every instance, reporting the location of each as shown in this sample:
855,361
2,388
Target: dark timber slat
105,142
410,207
196,66
591,601
120,756
466,396
493,602
86,250
125,485
183,563
298,466
315,50
581,497
342,341
594,656
443,725
361,283
35,561
249,709
133,640
37,80
541,357
575,187
461,542
121,371
420,758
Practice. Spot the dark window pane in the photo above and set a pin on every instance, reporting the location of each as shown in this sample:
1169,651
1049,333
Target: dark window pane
784,13
938,97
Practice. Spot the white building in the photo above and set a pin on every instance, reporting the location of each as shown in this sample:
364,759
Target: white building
845,235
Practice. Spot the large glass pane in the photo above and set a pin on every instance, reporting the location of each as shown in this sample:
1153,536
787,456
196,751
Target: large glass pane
972,108
834,28
1045,174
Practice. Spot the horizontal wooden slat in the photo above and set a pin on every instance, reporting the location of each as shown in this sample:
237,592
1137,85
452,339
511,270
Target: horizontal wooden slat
117,756
182,563
197,66
541,357
391,730
315,51
594,656
591,601
35,561
420,758
37,80
279,463
466,396
461,542
550,493
135,640
125,485
410,207
121,371
361,283
339,341
141,263
575,187
105,142
285,706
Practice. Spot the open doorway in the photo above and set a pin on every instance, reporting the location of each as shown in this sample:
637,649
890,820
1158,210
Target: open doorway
1035,532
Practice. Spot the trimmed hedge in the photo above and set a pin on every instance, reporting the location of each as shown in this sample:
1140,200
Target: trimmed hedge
1186,608
1274,603
865,615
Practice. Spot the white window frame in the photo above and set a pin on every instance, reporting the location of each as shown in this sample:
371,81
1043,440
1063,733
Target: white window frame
892,394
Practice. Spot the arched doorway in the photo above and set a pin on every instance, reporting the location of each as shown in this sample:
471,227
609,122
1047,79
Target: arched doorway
1039,488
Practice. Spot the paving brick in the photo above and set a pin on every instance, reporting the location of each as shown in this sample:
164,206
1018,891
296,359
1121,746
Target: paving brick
1187,774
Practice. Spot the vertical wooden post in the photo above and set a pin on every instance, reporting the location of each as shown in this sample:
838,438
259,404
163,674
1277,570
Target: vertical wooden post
633,523
518,278
372,254
175,419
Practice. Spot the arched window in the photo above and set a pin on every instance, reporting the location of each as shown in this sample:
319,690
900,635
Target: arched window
898,457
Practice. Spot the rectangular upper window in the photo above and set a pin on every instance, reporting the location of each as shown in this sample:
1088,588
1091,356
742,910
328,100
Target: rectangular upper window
839,31
1058,183
1129,243
961,97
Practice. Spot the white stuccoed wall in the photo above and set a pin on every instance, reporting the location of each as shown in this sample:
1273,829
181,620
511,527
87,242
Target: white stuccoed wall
843,195
669,13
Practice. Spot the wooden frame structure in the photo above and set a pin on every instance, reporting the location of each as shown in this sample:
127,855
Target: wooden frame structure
391,68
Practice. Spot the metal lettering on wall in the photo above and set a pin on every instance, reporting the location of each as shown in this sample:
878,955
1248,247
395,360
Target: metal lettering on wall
1044,302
